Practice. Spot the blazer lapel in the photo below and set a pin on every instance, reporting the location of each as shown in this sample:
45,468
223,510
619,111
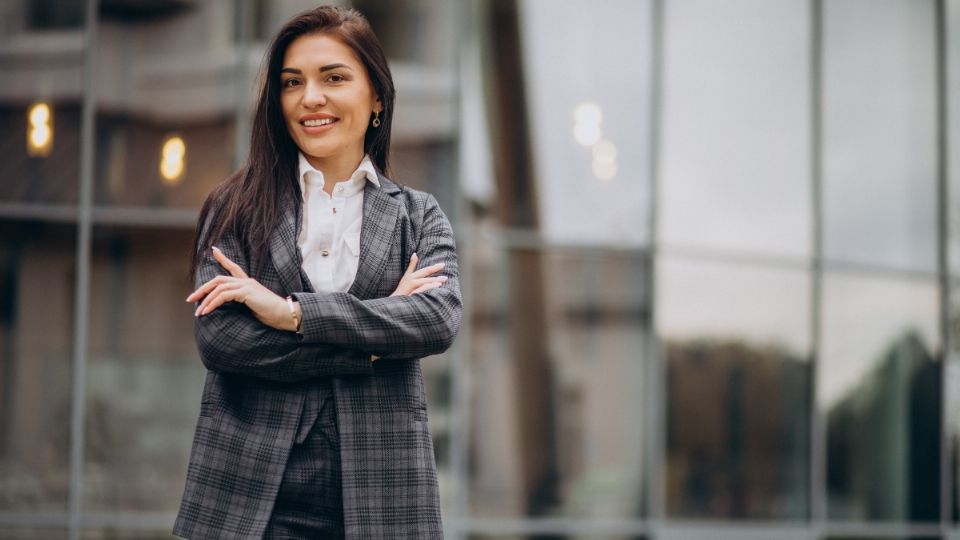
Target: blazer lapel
284,250
380,211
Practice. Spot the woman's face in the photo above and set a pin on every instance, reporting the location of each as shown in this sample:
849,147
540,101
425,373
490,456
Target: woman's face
327,98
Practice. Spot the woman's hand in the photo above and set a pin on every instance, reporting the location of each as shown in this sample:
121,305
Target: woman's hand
266,306
417,281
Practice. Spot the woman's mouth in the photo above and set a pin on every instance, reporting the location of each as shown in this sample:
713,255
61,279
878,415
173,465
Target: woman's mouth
318,122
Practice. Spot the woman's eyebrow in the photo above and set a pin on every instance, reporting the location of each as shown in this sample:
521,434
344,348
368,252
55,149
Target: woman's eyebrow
328,67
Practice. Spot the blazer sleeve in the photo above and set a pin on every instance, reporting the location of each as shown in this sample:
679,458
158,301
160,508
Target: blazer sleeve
394,327
232,340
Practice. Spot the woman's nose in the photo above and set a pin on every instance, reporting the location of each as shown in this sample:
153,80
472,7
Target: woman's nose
314,96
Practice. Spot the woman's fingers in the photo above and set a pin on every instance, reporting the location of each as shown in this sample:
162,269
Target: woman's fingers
425,284
427,270
413,264
425,287
222,294
205,289
414,281
225,262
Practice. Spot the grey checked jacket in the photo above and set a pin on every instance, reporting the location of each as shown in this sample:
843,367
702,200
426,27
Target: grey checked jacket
258,377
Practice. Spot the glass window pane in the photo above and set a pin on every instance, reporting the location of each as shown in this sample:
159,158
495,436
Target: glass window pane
736,170
736,340
548,362
592,163
37,284
40,99
878,386
144,378
167,94
879,133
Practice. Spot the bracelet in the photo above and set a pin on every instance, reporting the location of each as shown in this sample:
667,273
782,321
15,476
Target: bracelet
293,313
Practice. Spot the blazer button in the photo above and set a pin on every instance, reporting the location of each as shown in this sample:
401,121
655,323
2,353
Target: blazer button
325,252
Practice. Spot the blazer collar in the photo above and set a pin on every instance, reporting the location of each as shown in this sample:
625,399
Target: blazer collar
380,211
381,208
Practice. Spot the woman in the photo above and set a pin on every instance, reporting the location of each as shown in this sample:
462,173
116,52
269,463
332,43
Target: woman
320,285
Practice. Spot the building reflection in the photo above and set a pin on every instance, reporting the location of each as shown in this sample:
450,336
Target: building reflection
883,438
737,430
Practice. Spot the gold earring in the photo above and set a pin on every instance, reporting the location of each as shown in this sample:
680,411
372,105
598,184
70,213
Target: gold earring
376,119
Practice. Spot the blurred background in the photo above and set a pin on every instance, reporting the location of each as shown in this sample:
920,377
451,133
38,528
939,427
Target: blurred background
709,257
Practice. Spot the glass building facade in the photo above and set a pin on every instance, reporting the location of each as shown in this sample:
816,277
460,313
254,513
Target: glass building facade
709,253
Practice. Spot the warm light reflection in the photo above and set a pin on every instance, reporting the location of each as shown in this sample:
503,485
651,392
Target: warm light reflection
604,160
587,118
604,170
172,157
605,151
39,130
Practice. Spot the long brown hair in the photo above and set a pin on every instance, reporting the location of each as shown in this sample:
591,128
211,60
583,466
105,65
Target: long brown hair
251,200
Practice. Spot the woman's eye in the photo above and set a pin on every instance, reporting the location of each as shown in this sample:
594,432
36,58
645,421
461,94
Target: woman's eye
290,82
336,78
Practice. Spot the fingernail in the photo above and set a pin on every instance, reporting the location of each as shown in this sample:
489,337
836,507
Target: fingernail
414,256
196,313
215,247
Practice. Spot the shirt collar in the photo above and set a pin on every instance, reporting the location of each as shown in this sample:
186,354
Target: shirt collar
365,170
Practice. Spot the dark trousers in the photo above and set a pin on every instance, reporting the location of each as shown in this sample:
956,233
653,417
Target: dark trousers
309,504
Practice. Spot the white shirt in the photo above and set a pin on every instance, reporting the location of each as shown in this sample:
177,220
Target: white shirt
330,236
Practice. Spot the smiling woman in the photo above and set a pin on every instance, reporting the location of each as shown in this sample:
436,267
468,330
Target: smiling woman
319,289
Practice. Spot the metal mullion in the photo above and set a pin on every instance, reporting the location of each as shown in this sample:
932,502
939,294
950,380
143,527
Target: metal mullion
654,421
243,21
817,486
468,22
82,288
943,187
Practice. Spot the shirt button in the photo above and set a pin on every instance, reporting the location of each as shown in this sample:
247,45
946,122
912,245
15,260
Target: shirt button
325,252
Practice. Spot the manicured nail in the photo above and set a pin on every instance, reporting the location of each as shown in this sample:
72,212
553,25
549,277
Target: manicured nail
443,278
197,312
414,256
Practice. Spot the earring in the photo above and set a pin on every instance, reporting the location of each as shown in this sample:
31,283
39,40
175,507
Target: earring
376,119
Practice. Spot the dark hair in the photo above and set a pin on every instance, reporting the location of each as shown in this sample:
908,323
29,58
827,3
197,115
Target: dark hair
251,200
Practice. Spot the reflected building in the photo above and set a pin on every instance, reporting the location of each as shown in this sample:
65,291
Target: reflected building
896,408
737,430
708,254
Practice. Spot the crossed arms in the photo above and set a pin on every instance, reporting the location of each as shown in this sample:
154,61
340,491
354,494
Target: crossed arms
339,331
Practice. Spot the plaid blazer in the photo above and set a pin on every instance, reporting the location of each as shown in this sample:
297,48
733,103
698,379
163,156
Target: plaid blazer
258,377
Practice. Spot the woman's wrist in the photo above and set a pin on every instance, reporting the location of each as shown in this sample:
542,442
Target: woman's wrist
295,319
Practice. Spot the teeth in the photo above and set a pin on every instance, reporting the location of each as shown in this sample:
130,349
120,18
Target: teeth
317,123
